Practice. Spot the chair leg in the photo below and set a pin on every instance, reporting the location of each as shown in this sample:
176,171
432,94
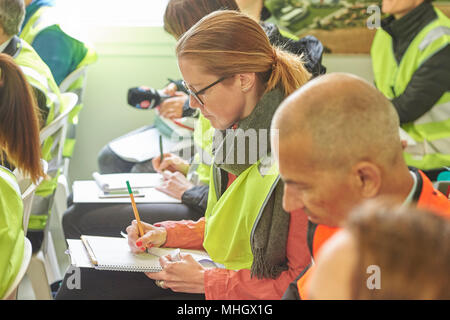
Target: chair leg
38,277
51,261
55,245
60,198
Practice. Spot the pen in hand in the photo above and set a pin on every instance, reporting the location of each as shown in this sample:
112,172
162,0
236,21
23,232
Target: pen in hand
161,149
135,211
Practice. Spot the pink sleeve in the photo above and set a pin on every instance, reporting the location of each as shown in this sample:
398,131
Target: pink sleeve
238,285
186,234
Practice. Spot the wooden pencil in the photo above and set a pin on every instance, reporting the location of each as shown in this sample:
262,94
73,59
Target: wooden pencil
135,210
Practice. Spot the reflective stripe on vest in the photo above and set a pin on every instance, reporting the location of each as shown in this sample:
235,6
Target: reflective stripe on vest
432,130
31,73
230,220
435,125
433,35
40,20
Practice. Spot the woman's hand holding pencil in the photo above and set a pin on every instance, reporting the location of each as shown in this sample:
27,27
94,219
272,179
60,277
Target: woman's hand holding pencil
170,162
142,235
153,236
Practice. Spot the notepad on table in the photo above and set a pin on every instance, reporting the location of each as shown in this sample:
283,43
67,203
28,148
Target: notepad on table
114,254
87,191
116,182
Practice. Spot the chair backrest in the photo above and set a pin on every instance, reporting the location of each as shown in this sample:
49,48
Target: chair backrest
66,84
58,128
75,82
27,189
10,293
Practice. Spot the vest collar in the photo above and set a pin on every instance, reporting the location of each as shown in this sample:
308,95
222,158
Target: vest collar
410,24
13,48
419,187
405,29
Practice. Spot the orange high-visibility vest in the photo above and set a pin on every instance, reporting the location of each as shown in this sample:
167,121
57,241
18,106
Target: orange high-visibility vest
427,197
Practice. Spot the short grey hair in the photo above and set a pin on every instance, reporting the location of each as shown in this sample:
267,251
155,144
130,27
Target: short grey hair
12,13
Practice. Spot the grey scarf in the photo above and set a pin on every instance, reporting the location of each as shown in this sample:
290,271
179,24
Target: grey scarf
252,140
235,150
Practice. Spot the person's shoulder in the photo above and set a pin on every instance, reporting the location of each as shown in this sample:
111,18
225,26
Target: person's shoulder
53,34
432,199
8,182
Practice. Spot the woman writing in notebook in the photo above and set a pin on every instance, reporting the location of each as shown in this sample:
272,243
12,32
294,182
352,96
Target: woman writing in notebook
19,143
188,182
182,181
237,85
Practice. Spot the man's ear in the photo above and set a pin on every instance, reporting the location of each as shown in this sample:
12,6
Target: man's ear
247,80
367,177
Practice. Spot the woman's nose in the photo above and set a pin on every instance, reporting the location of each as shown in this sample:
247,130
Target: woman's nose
193,103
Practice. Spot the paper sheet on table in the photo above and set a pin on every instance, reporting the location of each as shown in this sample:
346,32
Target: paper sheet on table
87,191
117,181
144,145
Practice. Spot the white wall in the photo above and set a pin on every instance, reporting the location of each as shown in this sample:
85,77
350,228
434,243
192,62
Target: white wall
133,56
128,57
357,64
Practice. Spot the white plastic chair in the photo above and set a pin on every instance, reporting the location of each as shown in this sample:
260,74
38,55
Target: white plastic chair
67,86
59,124
71,78
44,267
27,189
11,292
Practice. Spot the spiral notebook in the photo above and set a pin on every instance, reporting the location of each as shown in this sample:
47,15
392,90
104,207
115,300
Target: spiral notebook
110,253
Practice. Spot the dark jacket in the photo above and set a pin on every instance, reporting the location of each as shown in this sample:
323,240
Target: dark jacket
431,79
310,47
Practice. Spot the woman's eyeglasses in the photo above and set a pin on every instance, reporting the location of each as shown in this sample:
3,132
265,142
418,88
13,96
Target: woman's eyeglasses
196,94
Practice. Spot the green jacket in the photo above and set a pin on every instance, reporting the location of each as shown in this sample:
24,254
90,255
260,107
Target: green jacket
11,229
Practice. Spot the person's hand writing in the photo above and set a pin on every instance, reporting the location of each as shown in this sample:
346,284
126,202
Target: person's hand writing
175,184
171,163
153,236
182,274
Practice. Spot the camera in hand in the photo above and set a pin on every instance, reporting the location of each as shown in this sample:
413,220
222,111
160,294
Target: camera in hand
145,98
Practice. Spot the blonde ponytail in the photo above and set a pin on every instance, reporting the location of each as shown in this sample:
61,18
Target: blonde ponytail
288,71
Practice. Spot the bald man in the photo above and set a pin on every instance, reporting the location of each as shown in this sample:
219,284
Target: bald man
338,144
